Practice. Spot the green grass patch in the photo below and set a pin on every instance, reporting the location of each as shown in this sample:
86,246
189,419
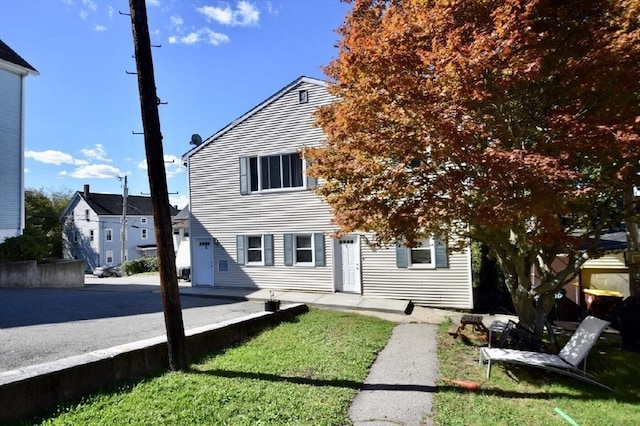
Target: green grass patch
304,372
525,396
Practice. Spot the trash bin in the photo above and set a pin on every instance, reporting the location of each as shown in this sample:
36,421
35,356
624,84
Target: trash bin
628,317
602,303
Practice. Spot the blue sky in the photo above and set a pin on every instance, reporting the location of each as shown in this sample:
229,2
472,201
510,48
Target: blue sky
217,60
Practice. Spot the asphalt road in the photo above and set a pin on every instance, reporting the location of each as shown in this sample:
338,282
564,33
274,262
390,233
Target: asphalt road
42,325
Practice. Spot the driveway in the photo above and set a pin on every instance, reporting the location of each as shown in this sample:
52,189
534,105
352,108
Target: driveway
42,325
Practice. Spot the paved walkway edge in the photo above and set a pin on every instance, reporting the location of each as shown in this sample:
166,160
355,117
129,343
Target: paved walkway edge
400,386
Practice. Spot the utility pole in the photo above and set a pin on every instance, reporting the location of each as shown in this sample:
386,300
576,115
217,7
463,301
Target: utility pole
158,184
123,232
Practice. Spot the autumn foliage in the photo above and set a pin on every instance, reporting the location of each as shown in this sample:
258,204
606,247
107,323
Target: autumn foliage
513,122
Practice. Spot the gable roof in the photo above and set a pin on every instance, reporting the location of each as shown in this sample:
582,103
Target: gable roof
111,204
256,109
9,56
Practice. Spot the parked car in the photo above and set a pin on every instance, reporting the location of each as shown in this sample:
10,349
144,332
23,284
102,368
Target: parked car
107,271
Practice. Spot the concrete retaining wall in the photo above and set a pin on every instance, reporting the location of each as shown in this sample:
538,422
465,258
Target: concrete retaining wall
28,391
30,274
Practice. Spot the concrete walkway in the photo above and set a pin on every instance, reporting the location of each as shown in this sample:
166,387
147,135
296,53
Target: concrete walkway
401,383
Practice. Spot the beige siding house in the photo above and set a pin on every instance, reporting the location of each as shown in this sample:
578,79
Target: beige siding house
256,223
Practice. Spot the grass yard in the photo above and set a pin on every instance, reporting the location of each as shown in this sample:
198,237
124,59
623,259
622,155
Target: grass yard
525,396
304,372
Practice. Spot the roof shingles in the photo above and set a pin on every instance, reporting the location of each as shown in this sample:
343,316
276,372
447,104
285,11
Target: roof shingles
9,55
111,204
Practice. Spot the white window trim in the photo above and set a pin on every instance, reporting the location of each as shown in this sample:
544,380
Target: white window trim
143,220
432,247
272,190
108,234
246,250
109,255
144,233
312,248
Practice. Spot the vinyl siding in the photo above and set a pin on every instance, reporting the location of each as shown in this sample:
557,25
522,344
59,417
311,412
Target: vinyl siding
11,159
441,287
219,210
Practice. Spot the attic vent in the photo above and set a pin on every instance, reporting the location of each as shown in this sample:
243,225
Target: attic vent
303,96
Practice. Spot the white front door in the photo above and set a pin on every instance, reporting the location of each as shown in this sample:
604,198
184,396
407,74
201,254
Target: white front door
348,264
204,262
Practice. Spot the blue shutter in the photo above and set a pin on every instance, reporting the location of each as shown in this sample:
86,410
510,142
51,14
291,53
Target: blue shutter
288,249
244,175
318,242
402,260
312,183
268,249
240,249
442,257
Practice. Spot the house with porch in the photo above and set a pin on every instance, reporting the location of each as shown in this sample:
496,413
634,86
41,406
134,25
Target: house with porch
13,70
92,228
255,221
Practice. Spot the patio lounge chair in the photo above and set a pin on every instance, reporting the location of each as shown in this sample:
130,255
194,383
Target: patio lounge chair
566,362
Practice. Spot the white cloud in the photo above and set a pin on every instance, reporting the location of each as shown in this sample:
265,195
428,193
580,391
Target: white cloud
53,157
83,14
100,28
204,35
245,14
97,171
97,152
180,200
176,21
90,4
272,9
110,11
153,3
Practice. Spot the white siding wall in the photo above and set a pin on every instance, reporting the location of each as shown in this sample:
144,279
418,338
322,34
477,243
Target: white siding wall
11,164
442,287
218,210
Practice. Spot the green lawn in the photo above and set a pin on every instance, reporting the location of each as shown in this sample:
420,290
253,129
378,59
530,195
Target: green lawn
307,372
525,396
304,372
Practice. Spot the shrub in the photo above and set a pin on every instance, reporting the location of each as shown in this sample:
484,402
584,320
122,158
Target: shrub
24,247
140,265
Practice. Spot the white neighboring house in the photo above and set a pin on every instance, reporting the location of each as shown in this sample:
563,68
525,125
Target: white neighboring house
92,228
13,70
256,223
180,224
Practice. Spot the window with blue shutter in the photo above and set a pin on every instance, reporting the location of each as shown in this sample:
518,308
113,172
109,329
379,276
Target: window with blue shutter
427,254
255,250
304,249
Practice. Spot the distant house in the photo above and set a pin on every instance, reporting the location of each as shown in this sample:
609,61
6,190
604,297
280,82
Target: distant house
180,224
256,223
13,70
92,228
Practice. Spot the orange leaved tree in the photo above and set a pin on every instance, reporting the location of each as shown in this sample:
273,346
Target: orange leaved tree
511,122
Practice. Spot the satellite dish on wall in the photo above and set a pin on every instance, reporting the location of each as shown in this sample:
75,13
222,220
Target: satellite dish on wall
195,139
